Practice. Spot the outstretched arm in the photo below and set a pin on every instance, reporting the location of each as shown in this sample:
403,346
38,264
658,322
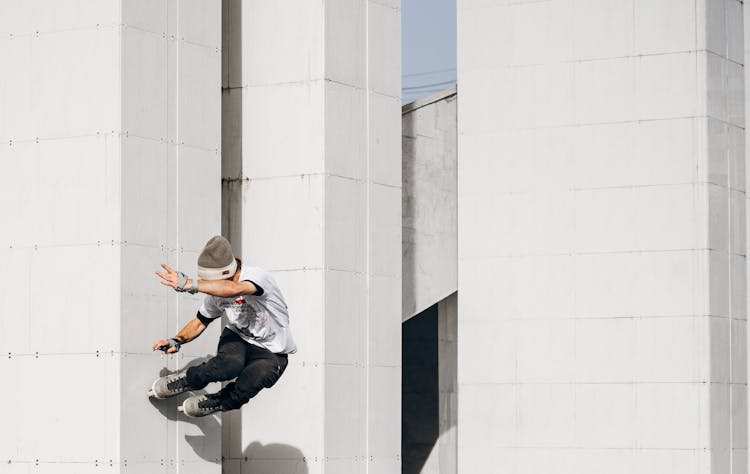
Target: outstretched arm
221,288
191,330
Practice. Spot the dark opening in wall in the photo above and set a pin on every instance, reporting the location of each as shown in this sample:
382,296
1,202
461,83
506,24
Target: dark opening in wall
420,397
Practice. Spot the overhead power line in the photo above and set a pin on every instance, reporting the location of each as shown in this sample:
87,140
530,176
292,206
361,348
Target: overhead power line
419,93
427,73
428,86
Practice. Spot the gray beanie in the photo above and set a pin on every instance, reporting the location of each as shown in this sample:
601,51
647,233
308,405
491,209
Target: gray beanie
216,262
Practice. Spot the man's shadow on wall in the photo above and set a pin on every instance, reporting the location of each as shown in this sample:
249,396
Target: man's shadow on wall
204,444
264,458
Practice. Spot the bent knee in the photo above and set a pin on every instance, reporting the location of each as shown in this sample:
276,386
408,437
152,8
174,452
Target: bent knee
269,372
230,366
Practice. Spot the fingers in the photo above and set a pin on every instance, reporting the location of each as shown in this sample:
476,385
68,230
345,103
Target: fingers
166,267
159,344
166,280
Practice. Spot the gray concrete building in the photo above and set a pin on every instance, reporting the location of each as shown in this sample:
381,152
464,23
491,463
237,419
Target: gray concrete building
542,270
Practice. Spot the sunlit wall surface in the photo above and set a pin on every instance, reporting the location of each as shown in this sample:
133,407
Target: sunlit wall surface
317,173
601,193
110,147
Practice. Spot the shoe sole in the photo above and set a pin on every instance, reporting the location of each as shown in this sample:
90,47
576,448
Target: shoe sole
181,409
152,392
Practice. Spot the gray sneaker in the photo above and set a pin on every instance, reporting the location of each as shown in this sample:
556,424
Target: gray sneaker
169,386
201,405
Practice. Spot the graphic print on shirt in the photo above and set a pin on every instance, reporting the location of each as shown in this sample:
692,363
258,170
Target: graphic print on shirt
250,318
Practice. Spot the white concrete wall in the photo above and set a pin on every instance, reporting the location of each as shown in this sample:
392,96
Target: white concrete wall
109,129
59,148
321,207
171,122
429,206
601,237
740,276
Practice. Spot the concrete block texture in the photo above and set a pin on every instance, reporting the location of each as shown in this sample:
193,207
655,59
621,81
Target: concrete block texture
602,304
429,220
312,167
110,132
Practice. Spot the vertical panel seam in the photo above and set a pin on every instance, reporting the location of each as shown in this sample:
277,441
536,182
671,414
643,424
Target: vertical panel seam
177,198
323,241
368,189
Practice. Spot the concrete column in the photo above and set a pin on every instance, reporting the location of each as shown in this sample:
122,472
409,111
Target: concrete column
444,459
321,205
60,149
171,204
109,130
601,237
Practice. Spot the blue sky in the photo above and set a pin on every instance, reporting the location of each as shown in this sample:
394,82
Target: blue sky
429,47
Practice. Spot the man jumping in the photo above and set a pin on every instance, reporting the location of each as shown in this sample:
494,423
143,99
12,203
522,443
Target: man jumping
253,346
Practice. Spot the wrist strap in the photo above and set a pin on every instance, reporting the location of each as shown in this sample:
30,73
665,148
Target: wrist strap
183,281
194,288
172,343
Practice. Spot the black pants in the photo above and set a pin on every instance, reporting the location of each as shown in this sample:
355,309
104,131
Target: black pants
254,367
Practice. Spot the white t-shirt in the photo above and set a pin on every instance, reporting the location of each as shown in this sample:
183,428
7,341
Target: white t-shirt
260,319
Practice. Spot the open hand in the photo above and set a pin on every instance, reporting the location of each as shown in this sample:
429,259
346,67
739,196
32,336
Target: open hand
159,345
169,277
